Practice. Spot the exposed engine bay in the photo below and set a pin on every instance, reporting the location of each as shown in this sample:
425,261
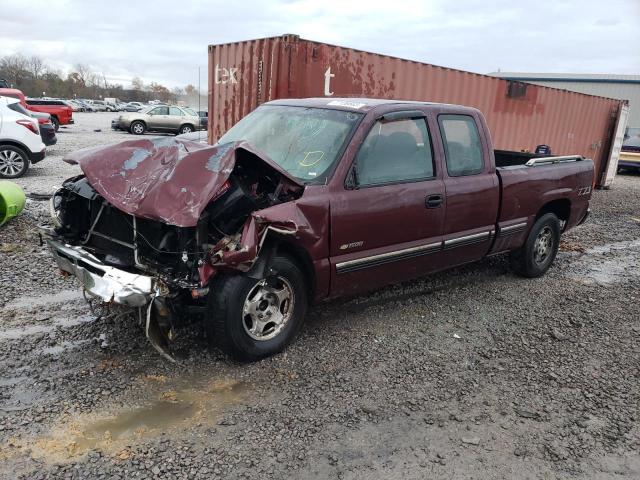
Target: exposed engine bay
172,252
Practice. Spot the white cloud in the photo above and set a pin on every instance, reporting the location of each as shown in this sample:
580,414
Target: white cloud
166,41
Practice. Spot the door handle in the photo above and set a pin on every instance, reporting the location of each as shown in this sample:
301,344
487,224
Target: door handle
433,201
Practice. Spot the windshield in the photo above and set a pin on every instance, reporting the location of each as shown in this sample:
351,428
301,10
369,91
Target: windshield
306,142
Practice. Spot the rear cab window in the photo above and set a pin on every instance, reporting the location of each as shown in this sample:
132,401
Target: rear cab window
462,145
395,152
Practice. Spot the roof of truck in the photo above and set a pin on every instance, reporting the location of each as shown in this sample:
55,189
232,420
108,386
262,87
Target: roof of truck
351,104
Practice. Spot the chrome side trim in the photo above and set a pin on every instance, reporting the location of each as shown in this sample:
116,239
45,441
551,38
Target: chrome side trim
467,240
547,160
511,229
381,259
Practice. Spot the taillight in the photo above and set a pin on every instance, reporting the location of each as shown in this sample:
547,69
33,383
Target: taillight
29,124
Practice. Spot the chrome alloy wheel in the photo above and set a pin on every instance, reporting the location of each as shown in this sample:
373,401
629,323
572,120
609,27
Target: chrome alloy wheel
267,308
543,245
138,128
11,162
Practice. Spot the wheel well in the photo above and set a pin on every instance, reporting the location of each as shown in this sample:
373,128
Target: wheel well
15,144
53,115
303,260
560,208
186,125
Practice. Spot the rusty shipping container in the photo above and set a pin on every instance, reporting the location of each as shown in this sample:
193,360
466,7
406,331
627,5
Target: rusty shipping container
242,75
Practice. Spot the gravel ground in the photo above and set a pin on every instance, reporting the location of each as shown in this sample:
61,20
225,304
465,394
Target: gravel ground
472,373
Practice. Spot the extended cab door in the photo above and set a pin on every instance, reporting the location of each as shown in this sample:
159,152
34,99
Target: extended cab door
386,224
471,188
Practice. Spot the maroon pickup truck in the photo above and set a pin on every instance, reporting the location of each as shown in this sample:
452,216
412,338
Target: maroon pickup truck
304,200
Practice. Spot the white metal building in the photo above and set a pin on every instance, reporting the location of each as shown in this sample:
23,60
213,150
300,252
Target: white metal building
624,87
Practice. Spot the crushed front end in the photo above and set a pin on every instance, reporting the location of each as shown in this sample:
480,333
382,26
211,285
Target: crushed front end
158,258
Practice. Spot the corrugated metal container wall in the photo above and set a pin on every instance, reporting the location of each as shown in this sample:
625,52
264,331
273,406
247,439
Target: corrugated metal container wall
243,75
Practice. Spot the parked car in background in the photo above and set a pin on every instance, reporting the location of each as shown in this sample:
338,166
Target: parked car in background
111,104
20,140
170,119
204,119
75,105
630,152
98,105
302,200
140,106
3,83
87,106
131,107
61,113
47,130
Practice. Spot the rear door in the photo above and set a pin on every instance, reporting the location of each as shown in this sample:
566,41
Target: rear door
386,224
175,118
471,186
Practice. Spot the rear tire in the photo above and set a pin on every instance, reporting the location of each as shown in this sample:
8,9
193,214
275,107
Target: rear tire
535,257
14,161
236,301
186,129
56,123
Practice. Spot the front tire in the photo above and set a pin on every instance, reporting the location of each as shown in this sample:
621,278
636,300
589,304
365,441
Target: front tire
14,162
137,128
249,319
535,257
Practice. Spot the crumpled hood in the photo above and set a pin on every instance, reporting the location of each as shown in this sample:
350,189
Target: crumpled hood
164,179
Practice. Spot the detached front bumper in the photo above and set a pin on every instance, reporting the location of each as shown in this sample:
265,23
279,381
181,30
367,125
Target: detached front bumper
100,280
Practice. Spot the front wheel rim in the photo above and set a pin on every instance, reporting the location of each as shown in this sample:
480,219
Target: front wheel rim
268,308
11,162
543,245
137,128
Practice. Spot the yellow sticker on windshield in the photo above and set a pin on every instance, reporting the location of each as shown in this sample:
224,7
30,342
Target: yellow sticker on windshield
311,158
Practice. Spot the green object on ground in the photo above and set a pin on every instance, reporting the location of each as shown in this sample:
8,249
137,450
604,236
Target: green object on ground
12,201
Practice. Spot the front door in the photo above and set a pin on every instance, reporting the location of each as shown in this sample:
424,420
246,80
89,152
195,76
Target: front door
158,118
386,225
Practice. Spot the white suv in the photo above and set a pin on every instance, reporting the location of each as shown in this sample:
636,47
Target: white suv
20,141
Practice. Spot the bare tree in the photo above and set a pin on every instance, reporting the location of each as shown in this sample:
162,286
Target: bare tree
36,66
85,75
190,89
137,83
14,68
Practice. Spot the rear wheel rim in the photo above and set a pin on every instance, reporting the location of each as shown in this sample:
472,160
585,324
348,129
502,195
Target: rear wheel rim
186,129
11,162
268,308
543,245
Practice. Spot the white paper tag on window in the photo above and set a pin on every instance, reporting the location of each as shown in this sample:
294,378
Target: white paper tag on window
346,103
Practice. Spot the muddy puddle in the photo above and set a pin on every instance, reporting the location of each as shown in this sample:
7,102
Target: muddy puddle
607,264
58,322
168,411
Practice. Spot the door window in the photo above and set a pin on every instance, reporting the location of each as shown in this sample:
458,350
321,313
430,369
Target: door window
175,111
393,152
160,111
462,146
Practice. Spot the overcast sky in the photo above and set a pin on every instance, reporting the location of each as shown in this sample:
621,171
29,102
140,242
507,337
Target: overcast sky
165,41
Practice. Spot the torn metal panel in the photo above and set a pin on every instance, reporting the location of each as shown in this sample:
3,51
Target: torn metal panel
164,179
